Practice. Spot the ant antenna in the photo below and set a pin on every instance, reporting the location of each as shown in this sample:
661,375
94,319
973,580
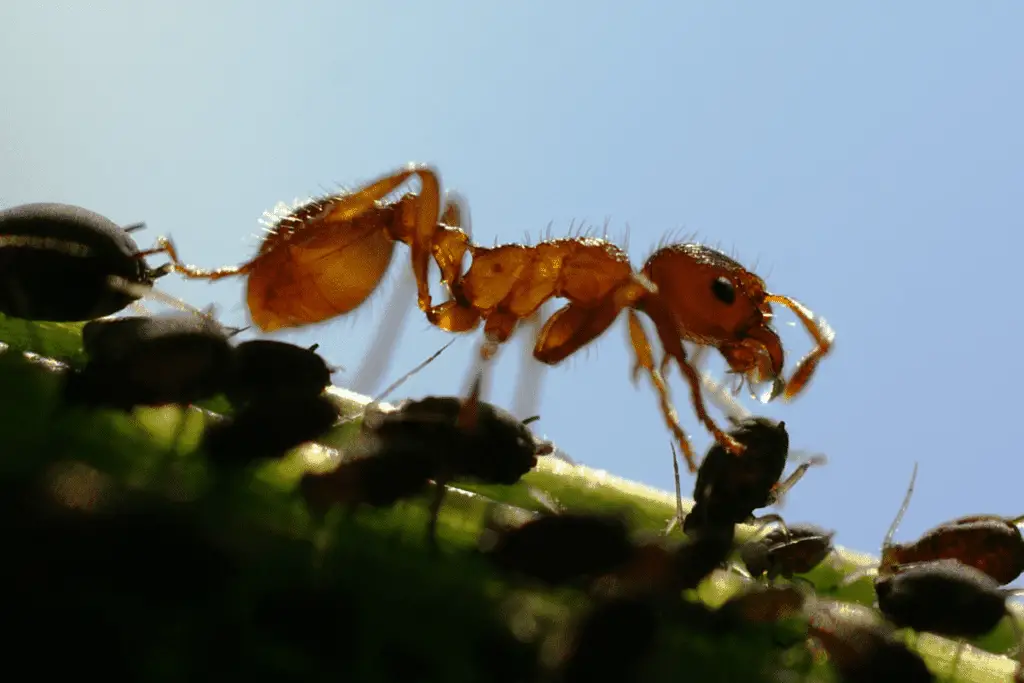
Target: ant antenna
903,508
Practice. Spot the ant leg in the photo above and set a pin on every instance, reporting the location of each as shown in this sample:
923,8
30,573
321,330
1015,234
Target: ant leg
823,336
526,402
668,334
645,361
378,357
166,246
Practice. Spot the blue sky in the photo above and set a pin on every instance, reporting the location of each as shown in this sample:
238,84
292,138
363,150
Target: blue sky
867,157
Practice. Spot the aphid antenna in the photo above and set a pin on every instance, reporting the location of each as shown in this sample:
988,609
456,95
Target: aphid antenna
903,509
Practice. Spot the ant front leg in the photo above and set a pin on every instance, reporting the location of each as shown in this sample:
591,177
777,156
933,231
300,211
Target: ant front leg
645,361
820,331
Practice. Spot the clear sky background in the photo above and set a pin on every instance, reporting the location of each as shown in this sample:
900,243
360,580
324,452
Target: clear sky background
867,157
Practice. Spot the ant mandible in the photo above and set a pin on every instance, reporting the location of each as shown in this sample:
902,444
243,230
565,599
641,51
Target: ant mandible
327,256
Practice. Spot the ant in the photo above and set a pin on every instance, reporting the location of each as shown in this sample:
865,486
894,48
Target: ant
989,543
728,490
947,598
689,291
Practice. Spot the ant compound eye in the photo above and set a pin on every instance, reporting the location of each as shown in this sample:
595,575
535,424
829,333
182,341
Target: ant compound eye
722,288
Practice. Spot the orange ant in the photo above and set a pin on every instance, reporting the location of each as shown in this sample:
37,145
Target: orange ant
327,256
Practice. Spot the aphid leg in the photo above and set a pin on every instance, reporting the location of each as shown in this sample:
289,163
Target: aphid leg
435,512
780,489
764,520
679,490
823,336
645,361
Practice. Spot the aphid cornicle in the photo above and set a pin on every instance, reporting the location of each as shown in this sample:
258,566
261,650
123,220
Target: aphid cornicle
57,261
173,358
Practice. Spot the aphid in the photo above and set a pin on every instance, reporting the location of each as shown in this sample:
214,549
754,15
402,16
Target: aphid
374,477
689,291
729,489
989,543
611,641
561,549
264,430
863,651
154,360
797,549
762,604
57,262
441,438
944,597
265,368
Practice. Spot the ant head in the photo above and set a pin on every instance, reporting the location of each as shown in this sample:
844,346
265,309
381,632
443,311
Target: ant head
716,301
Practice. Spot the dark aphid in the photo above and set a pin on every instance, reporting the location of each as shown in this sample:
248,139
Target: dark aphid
174,358
470,440
989,543
797,549
944,597
762,604
265,368
611,642
561,549
375,478
863,651
268,429
707,551
729,488
473,439
57,261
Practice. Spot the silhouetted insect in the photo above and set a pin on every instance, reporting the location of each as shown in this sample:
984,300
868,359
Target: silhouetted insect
944,597
862,651
268,369
761,604
561,549
367,475
796,549
58,262
729,489
689,291
173,358
264,430
989,543
611,641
